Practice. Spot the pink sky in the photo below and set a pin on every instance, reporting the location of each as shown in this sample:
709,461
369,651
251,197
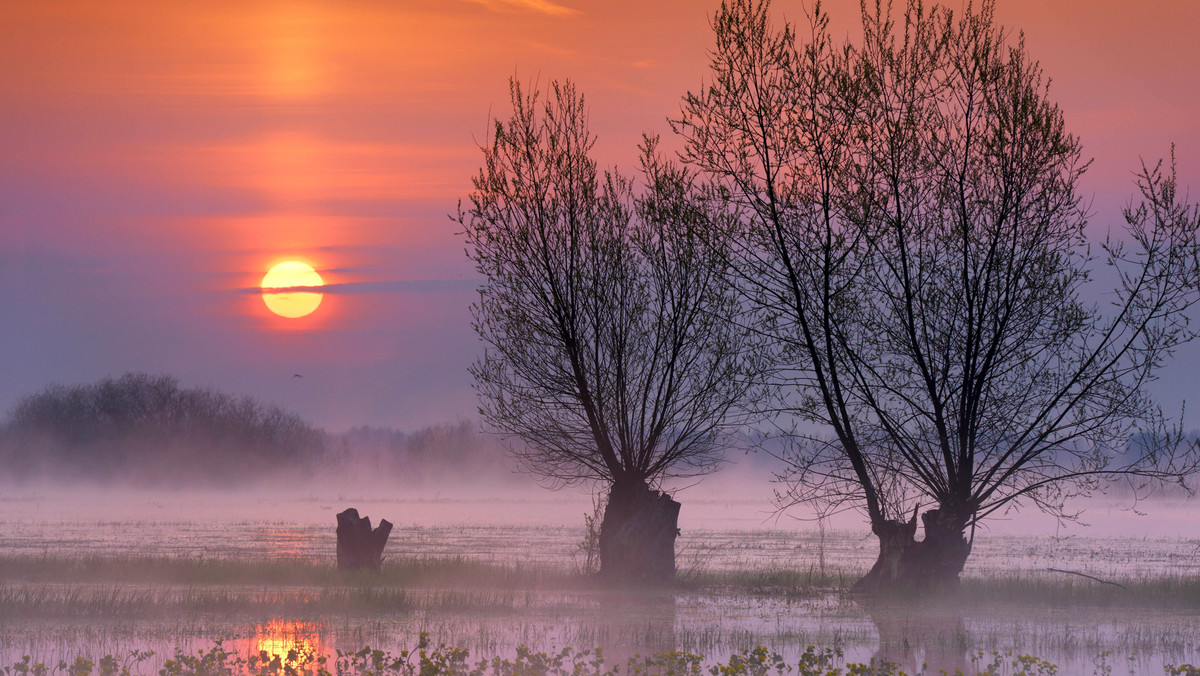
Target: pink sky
157,157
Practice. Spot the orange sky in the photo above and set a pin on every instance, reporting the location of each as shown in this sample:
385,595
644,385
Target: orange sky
157,157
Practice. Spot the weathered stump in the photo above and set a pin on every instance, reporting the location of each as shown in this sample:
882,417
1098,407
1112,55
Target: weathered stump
358,546
909,566
637,535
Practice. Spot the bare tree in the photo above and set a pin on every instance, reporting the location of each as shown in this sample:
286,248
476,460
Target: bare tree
607,356
910,230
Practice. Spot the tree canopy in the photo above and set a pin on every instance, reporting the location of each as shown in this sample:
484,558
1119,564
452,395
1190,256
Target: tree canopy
909,229
145,427
607,357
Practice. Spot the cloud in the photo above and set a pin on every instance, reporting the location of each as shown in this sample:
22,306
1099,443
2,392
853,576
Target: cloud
387,286
539,6
554,51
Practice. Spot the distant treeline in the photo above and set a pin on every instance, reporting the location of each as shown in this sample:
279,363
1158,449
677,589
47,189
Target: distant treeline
147,429
438,451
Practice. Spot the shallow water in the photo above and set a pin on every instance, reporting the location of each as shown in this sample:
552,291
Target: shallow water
518,527
545,529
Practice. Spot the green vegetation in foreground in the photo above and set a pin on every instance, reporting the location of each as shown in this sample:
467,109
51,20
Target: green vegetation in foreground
217,661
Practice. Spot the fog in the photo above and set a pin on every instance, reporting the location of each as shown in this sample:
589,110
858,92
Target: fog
91,567
141,447
494,493
135,513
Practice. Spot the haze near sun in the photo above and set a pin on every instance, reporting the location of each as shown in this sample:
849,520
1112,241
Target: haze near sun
282,277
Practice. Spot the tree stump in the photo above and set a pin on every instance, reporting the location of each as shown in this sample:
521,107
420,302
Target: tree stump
637,536
358,546
910,566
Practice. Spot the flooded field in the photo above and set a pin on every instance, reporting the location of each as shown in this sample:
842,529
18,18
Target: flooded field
97,573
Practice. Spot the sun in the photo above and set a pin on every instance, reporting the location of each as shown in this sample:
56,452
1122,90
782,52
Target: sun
278,293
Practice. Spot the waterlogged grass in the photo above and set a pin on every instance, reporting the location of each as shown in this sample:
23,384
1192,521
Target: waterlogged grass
118,602
60,606
1025,588
1065,591
451,661
773,581
94,586
200,571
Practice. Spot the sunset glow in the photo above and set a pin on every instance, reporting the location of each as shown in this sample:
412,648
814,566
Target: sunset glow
281,637
599,338
159,156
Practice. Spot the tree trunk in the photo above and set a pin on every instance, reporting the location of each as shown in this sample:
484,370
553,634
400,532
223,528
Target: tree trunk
358,546
937,561
637,535
906,565
896,538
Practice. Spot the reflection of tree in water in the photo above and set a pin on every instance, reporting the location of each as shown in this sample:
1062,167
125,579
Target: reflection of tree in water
914,634
632,622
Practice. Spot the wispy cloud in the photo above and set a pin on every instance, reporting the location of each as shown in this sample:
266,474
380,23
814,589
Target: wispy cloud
539,6
555,51
389,286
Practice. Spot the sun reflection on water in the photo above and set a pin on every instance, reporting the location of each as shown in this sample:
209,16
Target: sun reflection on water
281,637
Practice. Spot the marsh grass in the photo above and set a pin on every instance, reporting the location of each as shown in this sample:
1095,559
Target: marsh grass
131,587
785,582
415,571
98,585
1061,591
119,602
493,607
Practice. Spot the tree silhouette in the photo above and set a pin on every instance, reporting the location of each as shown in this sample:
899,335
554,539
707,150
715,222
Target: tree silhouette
909,230
146,428
607,357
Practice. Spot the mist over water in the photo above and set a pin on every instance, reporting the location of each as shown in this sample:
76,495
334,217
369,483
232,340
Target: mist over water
90,567
85,517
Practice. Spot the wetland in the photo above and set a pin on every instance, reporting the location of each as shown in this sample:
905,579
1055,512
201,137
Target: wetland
90,573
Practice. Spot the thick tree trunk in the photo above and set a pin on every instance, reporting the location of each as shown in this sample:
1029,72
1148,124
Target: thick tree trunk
637,535
908,565
896,538
937,561
358,546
